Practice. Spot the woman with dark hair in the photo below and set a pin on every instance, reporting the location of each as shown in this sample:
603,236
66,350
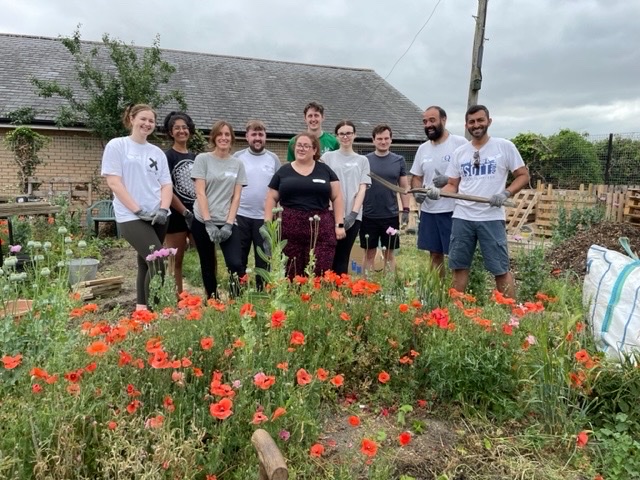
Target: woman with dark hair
219,178
179,127
137,173
304,188
353,172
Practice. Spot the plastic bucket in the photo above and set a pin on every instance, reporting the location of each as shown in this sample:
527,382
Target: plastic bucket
82,269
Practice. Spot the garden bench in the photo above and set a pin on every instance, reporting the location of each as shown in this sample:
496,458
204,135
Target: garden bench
272,464
101,211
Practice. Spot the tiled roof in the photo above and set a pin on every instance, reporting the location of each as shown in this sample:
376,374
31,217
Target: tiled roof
217,86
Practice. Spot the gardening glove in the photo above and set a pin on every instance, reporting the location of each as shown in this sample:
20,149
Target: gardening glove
212,230
350,219
144,215
160,216
440,180
419,197
433,193
404,218
188,218
499,198
225,232
266,241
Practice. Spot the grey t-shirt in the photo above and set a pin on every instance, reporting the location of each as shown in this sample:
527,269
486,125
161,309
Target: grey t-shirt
259,169
380,202
220,176
352,171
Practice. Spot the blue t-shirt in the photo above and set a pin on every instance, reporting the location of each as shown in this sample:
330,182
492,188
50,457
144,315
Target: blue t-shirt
379,201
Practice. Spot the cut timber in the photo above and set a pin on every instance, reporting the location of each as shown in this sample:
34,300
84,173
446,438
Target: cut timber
101,286
101,281
517,217
272,464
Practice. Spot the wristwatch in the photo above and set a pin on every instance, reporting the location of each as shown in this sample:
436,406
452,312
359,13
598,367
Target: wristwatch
339,225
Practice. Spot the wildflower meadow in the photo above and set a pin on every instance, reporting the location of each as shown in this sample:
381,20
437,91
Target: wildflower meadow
178,392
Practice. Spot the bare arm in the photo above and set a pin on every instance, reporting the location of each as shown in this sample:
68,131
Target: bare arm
416,181
235,203
359,198
201,198
338,209
452,186
270,203
404,184
114,182
520,180
177,205
166,194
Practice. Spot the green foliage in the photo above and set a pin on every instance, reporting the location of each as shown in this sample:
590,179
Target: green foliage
25,144
531,271
478,278
625,157
578,219
620,448
198,143
110,78
22,116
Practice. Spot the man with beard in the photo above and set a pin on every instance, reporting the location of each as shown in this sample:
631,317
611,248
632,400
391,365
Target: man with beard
432,160
480,168
260,164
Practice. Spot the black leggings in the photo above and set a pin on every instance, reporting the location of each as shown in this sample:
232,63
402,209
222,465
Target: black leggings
144,238
343,250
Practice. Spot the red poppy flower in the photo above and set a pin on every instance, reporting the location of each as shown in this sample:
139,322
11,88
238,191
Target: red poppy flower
345,316
277,319
154,422
303,377
368,447
222,409
112,425
582,439
168,404
280,411
383,377
264,382
305,297
284,366
582,356
12,362
297,338
337,381
354,420
36,388
322,374
247,309
403,307
404,438
316,450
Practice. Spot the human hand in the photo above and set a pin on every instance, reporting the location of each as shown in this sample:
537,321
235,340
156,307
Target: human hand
340,233
440,180
350,219
188,218
144,215
212,231
225,232
433,193
419,197
499,199
160,216
266,241
404,218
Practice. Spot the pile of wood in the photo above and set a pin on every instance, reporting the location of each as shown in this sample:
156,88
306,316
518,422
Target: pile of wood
97,288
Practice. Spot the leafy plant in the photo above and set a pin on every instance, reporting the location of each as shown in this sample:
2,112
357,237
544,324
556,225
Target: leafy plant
531,271
25,144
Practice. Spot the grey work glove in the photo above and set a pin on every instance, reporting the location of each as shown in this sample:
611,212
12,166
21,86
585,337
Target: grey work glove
404,218
419,197
212,230
225,232
440,180
350,219
266,241
499,198
144,215
160,216
188,218
433,193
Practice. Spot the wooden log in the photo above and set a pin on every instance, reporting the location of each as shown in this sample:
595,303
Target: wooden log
272,464
101,281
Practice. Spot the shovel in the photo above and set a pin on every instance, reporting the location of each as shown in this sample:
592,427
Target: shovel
458,196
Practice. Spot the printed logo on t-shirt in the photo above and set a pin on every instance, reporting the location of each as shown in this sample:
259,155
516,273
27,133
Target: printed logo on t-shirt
153,164
318,180
486,167
230,174
182,181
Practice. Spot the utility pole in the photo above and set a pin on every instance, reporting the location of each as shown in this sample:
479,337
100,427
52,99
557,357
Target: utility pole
476,59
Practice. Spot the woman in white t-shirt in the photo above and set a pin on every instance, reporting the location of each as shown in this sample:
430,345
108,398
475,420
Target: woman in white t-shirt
353,172
219,178
138,175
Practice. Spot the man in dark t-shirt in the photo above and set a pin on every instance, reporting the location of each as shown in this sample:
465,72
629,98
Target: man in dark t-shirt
380,215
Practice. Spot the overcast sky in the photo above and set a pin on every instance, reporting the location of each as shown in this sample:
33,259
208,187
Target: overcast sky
548,64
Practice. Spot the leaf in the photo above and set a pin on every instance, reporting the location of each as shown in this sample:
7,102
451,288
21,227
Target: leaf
381,436
487,443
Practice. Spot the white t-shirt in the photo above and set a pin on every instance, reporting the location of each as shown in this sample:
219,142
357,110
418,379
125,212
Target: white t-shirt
352,171
431,157
143,169
497,158
259,168
220,178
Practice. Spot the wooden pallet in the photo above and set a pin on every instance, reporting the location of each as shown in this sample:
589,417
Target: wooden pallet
95,288
551,201
524,212
632,207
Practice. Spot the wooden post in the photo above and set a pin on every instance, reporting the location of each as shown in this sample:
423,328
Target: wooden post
272,464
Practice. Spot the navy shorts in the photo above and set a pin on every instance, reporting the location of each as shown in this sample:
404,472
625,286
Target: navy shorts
434,232
373,233
492,236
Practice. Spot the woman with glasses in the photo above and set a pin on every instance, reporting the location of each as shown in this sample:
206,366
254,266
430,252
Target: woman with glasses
179,127
353,173
305,188
219,178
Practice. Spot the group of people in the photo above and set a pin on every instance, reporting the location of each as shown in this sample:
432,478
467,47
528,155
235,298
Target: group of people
325,192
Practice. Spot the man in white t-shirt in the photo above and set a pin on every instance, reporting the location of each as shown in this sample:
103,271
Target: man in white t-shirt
431,162
480,168
260,164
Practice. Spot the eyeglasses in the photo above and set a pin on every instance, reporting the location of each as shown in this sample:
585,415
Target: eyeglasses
346,134
476,159
301,146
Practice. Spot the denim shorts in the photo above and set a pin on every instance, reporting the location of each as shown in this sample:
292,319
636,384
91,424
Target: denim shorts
492,236
434,232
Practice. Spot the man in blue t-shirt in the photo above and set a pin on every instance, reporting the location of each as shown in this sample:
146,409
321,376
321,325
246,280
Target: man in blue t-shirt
380,215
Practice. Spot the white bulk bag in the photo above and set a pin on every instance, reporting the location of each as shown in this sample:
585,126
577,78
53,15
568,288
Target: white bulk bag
611,292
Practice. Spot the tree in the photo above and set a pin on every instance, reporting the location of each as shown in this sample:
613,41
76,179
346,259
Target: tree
107,92
625,158
25,145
